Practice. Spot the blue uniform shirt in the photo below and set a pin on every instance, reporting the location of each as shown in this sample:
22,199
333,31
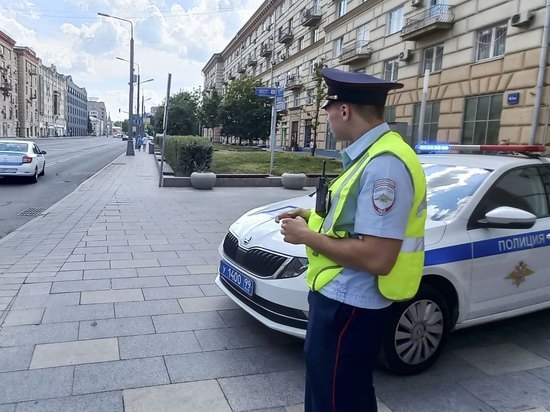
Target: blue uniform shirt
363,214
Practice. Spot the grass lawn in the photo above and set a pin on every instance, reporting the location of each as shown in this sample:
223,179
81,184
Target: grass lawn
257,161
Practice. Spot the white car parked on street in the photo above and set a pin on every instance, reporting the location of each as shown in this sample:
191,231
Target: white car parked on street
21,158
487,256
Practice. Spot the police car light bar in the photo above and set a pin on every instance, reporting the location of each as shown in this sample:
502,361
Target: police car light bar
518,148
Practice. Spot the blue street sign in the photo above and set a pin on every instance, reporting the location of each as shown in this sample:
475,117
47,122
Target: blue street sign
280,92
265,91
137,120
279,105
513,98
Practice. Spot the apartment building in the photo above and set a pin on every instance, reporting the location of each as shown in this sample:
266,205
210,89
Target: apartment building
8,86
76,109
99,117
27,77
52,96
478,59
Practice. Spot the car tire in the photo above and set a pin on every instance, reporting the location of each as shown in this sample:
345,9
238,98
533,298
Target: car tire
34,177
417,333
43,172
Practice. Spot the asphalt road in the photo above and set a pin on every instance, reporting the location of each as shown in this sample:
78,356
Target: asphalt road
69,162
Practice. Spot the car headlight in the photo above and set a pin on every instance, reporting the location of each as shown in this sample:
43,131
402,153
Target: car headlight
296,267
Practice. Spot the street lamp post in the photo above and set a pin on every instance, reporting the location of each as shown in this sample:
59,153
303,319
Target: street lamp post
129,147
143,100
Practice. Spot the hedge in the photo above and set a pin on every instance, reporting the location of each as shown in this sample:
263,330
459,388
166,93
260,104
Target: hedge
188,154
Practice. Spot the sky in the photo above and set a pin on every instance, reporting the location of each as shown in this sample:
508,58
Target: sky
177,37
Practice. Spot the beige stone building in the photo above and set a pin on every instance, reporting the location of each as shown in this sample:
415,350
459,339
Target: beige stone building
27,78
52,96
483,59
8,87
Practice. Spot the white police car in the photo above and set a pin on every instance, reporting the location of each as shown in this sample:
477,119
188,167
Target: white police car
22,158
487,255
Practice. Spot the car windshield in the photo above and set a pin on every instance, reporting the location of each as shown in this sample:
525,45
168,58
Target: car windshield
450,188
13,147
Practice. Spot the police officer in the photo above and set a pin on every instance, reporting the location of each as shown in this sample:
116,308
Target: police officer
364,245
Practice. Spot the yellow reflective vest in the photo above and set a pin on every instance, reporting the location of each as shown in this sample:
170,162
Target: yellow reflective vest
404,279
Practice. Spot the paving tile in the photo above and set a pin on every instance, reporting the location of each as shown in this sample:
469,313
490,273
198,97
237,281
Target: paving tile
56,277
105,296
502,358
81,285
162,271
35,384
237,317
15,358
129,249
108,256
205,304
73,353
234,362
167,262
510,392
110,273
103,328
46,301
34,334
137,282
151,307
183,280
159,344
97,402
187,321
196,396
124,374
171,292
35,289
201,269
240,337
85,265
8,408
264,390
24,317
140,263
211,289
90,250
80,312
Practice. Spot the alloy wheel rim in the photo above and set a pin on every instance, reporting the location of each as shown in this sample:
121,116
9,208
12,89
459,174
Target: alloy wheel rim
419,332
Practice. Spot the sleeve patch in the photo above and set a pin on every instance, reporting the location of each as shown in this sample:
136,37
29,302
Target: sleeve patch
383,196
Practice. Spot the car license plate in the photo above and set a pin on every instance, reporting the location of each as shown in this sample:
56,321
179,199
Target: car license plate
243,282
4,170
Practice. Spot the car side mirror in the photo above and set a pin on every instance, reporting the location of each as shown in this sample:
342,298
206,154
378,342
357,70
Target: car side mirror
508,217
43,152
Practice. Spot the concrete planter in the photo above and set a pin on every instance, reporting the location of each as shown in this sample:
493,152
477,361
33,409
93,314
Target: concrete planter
203,180
294,181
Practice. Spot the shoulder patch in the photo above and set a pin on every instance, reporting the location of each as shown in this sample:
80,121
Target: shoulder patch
383,196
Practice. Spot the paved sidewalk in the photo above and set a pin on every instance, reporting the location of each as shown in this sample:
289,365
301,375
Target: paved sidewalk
108,303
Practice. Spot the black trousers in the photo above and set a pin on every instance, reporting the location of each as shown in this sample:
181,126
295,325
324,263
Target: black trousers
341,350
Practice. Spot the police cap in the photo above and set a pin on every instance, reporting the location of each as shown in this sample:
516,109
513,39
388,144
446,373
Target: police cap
358,88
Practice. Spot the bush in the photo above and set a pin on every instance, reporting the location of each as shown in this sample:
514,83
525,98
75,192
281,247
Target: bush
188,154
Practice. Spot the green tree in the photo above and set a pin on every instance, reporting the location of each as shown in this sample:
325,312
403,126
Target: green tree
320,96
209,110
125,126
182,115
243,114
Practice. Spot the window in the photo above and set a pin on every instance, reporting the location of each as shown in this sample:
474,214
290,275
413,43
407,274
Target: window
395,20
310,96
389,114
302,43
296,99
312,66
433,57
314,35
391,68
491,41
341,8
337,47
482,119
431,122
363,34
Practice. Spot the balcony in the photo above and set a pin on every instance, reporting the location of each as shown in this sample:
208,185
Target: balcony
266,50
241,68
252,61
285,35
359,51
311,17
293,82
231,76
438,17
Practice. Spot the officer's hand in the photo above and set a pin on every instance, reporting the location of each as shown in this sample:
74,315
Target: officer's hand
291,214
294,230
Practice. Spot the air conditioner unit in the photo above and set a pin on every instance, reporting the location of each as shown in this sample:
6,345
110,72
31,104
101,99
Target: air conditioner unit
282,56
416,3
522,19
405,55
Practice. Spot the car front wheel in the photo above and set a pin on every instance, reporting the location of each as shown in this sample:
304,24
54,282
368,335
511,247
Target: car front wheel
43,172
417,333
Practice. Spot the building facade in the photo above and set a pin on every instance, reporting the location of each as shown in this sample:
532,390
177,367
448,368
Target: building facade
8,87
99,117
479,61
27,91
52,92
77,109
